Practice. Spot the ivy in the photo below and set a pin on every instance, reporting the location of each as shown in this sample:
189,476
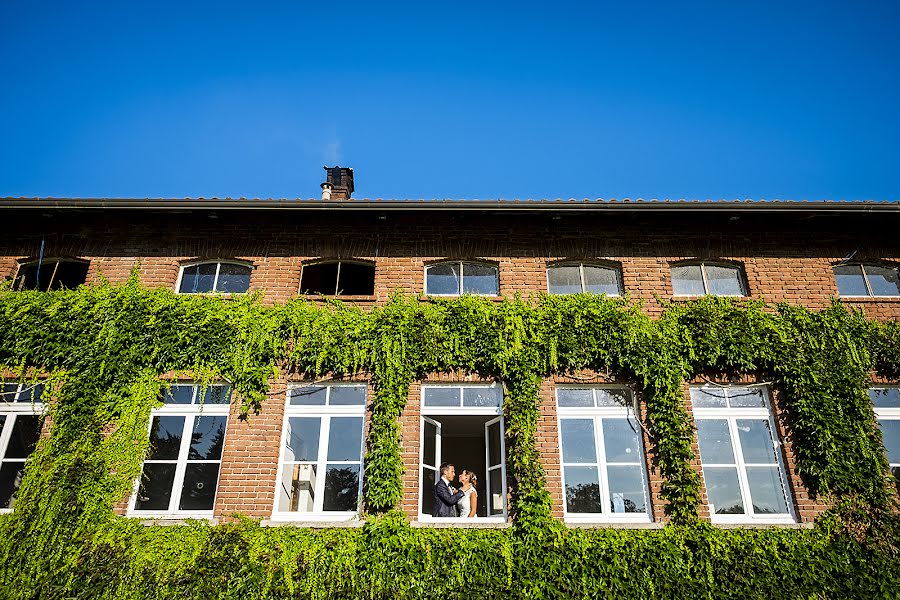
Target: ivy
105,351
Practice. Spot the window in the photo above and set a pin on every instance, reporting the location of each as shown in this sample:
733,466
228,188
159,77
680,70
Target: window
456,278
51,274
20,429
867,280
208,277
603,469
338,278
320,473
576,278
740,454
462,424
181,473
707,278
887,410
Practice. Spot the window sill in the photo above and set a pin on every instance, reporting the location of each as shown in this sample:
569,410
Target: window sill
225,295
312,524
491,297
869,298
678,298
456,523
601,524
342,298
172,521
761,525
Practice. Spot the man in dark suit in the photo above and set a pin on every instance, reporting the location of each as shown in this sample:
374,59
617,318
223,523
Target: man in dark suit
445,496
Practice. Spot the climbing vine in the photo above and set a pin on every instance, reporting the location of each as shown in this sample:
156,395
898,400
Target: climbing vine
106,352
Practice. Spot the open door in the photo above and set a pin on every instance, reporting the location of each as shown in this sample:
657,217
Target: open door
431,461
496,468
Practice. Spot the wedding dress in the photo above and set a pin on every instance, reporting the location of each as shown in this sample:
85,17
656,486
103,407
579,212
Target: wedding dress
465,503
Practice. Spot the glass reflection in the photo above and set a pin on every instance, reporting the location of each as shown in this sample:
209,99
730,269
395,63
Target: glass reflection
233,279
582,490
179,394
723,491
443,279
341,487
302,439
574,397
621,440
345,438
756,441
442,396
155,490
564,279
479,279
309,395
715,441
890,437
850,280
198,491
626,490
766,491
687,280
11,473
708,397
602,280
165,437
198,279
347,395
724,281
482,396
578,441
208,438
26,431
298,488
884,281
885,397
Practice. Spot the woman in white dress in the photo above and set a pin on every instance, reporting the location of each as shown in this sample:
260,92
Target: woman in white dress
468,504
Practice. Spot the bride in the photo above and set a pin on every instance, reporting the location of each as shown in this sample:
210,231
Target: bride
468,504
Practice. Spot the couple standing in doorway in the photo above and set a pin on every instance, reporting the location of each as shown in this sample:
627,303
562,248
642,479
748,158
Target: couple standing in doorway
452,502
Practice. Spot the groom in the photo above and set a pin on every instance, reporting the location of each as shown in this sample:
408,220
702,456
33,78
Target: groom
445,496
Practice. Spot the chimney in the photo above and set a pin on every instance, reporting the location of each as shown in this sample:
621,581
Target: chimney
338,184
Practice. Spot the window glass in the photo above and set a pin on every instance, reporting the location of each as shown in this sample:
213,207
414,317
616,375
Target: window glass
850,280
742,469
233,279
482,396
52,274
357,279
724,281
564,279
443,279
890,436
198,279
322,450
884,281
687,280
887,397
603,467
440,395
479,279
187,437
20,431
602,280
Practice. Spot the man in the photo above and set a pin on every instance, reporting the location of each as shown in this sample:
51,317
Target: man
445,496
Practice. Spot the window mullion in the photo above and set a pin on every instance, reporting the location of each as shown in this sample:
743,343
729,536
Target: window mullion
703,277
6,433
581,272
741,467
215,286
337,279
181,464
321,464
600,458
459,289
862,268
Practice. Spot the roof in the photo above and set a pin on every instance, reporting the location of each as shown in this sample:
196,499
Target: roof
572,204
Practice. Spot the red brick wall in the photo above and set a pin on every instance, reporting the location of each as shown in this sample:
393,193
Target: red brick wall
785,258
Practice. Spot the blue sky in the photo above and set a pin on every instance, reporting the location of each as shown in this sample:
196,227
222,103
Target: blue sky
688,99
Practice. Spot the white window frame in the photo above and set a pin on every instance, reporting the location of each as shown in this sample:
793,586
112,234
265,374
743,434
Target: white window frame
742,278
460,410
459,291
865,277
325,412
337,281
890,413
190,412
597,414
218,264
581,265
12,408
731,416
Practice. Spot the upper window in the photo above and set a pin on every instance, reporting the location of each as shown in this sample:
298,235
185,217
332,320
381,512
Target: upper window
20,430
338,278
708,278
603,470
456,278
51,274
576,278
181,472
207,277
740,455
867,280
320,472
887,409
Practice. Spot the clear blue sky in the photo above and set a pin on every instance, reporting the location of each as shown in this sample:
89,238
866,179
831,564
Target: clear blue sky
454,99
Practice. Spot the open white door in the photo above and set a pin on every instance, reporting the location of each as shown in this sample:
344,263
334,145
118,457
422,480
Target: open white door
495,455
431,461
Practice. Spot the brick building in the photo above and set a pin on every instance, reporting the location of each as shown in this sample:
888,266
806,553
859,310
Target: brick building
598,460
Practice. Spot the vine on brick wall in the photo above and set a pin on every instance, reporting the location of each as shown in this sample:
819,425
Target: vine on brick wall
105,347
